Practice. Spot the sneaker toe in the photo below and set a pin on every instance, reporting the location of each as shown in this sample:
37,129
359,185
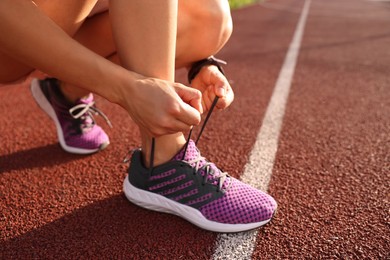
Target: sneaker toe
95,139
241,204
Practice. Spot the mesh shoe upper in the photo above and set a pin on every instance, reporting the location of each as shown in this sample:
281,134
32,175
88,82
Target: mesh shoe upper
197,183
240,204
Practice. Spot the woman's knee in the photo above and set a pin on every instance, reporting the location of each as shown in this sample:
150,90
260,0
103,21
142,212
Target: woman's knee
217,13
207,23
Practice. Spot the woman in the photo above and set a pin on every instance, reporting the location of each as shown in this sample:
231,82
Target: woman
78,42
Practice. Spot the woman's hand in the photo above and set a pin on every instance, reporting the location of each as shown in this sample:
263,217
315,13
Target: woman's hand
161,107
211,82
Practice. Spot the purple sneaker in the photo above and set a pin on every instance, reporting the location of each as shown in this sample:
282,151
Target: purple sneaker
76,128
193,188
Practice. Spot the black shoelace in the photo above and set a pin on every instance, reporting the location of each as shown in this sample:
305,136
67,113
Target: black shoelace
188,138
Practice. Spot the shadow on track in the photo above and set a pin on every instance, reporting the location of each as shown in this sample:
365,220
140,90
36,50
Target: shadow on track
111,228
49,155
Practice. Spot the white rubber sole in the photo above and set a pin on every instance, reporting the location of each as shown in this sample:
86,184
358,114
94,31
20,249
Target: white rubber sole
45,105
157,202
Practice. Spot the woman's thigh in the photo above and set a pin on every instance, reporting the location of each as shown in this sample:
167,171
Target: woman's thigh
69,15
201,28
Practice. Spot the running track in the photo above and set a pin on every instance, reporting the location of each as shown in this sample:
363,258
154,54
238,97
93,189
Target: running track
330,173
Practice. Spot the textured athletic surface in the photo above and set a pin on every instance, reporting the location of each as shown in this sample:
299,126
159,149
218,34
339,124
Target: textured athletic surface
330,178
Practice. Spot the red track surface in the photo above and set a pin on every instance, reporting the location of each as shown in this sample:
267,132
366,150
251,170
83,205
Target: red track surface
331,175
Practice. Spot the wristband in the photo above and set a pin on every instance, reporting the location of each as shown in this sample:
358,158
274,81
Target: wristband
197,66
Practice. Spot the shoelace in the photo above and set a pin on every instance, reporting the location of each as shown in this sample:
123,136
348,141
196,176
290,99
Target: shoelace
88,109
221,177
209,171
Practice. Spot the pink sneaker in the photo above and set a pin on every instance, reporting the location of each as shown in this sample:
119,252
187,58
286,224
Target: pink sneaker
76,128
193,188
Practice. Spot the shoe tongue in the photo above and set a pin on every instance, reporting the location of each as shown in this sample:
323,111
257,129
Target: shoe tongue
87,123
86,100
193,153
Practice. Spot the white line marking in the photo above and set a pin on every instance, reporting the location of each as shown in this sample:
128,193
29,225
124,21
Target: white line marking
258,170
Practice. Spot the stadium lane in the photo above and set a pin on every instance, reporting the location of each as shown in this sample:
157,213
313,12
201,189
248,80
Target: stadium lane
332,171
258,170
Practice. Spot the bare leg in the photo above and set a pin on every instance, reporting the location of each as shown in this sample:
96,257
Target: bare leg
147,46
92,36
204,26
69,15
96,35
194,40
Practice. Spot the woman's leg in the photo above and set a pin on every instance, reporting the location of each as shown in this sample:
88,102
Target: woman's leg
149,47
195,41
76,134
204,27
145,36
70,16
95,34
188,186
